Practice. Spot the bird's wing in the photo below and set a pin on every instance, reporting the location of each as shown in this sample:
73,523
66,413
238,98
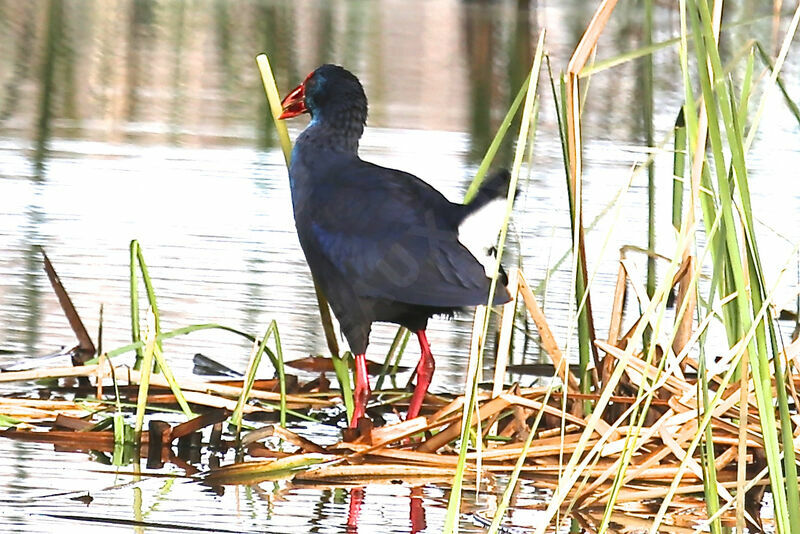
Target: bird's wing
391,236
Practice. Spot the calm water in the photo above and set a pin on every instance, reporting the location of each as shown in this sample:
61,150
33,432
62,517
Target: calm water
147,120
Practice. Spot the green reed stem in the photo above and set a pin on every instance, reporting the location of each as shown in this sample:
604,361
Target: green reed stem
250,376
454,502
274,99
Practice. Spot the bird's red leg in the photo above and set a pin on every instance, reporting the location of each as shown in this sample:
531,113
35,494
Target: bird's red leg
425,369
362,392
354,511
417,512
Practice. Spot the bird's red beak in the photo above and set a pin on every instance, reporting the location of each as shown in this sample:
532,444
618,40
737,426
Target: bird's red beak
295,103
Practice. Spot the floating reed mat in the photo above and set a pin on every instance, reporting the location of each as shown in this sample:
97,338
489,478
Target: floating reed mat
424,448
650,418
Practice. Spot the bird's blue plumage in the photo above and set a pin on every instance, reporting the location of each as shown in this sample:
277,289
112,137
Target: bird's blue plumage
381,243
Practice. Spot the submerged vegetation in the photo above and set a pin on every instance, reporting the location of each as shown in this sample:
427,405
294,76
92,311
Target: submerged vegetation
656,426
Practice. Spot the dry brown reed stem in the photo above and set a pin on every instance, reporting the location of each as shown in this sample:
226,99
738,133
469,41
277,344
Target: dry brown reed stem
72,423
103,370
548,340
214,401
647,463
287,435
397,433
617,399
359,474
683,331
42,410
617,304
452,431
85,349
49,372
8,403
69,439
638,367
576,63
196,391
193,384
791,353
391,433
601,427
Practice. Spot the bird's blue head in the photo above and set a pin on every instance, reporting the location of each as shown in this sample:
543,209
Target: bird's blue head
330,93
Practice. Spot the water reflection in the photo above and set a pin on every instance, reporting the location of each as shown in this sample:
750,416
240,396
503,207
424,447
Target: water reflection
156,74
33,281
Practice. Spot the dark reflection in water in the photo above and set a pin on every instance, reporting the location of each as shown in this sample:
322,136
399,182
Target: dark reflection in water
146,119
33,281
47,85
119,73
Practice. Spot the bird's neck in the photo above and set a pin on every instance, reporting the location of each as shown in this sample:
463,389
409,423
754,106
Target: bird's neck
339,131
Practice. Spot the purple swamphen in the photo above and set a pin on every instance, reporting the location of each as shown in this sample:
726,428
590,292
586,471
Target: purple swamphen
381,243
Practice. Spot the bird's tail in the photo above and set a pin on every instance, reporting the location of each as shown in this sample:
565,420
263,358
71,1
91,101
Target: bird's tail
478,231
492,188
